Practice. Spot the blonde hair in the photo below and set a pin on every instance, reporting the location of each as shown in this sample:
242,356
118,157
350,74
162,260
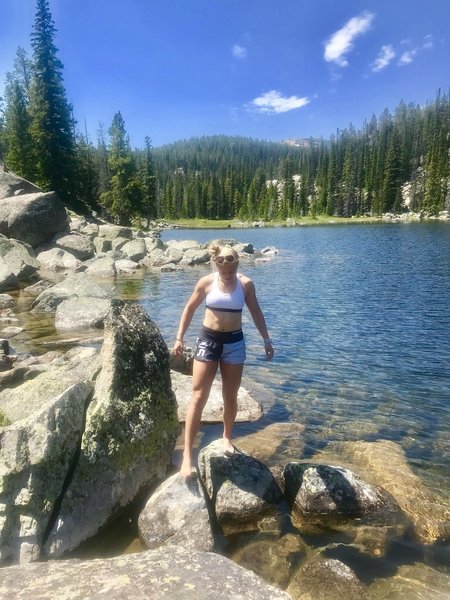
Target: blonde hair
216,250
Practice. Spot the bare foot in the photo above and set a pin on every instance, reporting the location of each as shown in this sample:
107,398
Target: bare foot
186,467
228,447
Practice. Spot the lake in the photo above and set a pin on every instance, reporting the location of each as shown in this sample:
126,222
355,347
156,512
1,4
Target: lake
360,319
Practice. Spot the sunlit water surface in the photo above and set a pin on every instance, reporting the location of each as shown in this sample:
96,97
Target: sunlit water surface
360,318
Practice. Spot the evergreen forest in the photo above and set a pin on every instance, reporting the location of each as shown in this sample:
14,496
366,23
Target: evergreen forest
395,162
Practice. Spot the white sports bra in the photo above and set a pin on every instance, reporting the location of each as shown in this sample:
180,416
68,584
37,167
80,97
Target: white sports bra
218,300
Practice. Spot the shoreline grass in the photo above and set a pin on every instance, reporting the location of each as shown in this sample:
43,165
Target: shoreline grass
298,222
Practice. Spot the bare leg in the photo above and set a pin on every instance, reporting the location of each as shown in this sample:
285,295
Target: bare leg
203,374
231,381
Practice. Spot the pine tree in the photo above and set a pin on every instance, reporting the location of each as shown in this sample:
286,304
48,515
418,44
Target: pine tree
19,155
52,126
87,174
125,195
149,184
2,133
101,162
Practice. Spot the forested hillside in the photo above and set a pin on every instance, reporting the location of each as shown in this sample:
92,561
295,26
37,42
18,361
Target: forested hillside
395,162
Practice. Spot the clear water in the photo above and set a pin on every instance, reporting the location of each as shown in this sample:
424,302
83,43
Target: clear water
360,318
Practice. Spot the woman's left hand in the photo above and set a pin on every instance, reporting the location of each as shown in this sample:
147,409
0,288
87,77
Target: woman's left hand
269,350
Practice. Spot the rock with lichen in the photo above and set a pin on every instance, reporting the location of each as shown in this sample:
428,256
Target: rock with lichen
131,428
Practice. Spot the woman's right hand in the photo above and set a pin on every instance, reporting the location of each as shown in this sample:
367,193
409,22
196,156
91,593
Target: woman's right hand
177,349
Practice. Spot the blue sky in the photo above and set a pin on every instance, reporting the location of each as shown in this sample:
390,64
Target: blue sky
268,69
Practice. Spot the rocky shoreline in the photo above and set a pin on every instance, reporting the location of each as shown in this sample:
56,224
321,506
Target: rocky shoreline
85,431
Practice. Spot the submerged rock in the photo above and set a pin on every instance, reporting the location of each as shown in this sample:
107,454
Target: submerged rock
171,573
412,582
271,559
327,579
384,464
249,409
274,444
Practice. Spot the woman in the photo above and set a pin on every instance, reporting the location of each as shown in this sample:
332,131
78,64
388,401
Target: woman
221,341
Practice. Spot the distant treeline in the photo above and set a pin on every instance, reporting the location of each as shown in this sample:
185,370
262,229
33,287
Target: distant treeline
395,162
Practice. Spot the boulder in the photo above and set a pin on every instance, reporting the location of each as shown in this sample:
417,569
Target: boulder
384,464
194,257
78,285
38,449
131,428
319,491
135,249
8,281
111,232
78,245
126,265
33,218
170,268
81,313
44,443
272,559
11,331
102,245
241,488
274,444
78,364
174,254
248,408
102,267
326,579
6,301
269,251
171,573
90,230
13,185
182,364
413,582
245,248
183,245
176,513
158,258
57,259
19,257
118,243
152,243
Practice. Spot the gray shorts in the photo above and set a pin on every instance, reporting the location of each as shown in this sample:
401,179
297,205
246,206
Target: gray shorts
225,346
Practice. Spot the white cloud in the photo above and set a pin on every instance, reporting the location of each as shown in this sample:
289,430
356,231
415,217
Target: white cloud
428,42
407,57
341,42
274,102
385,56
239,51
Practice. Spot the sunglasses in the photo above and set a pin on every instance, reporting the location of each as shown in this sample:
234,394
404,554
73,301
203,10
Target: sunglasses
229,258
